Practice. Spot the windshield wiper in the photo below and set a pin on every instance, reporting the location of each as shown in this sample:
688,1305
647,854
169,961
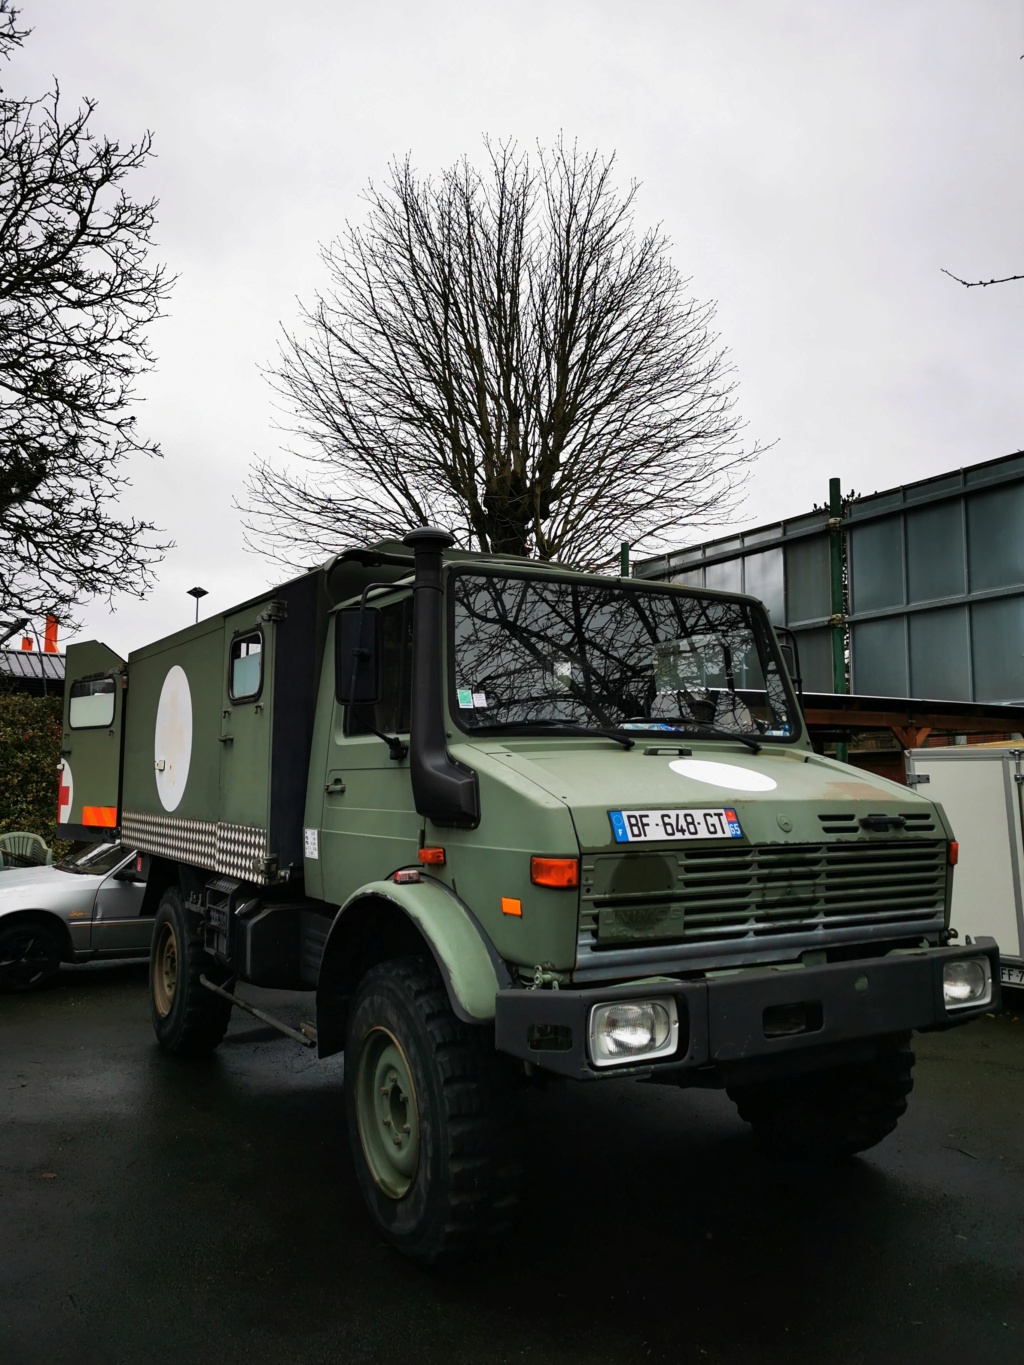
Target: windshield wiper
568,726
702,729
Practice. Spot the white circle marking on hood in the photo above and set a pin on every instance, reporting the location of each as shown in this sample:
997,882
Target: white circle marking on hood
723,775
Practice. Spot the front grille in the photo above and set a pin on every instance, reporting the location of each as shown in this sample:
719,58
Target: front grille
713,895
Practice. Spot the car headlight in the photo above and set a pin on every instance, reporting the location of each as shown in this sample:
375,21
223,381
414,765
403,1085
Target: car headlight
966,982
633,1031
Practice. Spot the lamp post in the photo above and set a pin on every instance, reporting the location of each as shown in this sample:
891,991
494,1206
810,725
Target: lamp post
197,593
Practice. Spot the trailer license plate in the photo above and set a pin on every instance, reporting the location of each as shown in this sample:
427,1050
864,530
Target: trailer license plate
1011,976
646,826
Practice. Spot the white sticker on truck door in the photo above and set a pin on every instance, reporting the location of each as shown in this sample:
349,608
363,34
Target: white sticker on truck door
311,842
172,738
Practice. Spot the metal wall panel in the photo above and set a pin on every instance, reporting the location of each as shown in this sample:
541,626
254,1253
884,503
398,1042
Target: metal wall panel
807,581
997,649
995,538
876,565
940,654
935,553
878,651
764,576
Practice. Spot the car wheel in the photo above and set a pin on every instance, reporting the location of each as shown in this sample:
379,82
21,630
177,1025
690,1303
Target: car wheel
187,1018
431,1117
30,955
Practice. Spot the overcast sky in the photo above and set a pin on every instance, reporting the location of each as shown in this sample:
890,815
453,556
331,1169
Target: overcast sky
814,163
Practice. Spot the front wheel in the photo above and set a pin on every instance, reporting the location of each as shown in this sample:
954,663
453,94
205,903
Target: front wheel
831,1114
187,1018
30,955
431,1117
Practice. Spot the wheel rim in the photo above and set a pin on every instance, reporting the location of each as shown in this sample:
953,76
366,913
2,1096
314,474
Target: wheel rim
25,959
387,1113
165,970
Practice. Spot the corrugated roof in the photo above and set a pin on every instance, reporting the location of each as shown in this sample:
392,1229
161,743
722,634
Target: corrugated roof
31,663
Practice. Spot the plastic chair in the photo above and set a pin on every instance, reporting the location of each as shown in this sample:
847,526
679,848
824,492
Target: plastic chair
21,849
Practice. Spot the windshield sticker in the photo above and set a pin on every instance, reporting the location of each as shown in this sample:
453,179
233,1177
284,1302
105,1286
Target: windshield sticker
645,826
723,775
465,699
480,700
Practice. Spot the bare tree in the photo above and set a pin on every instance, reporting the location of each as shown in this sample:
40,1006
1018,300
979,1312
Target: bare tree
980,284
76,296
502,355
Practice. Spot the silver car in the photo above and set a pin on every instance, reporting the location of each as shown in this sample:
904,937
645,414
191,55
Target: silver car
88,907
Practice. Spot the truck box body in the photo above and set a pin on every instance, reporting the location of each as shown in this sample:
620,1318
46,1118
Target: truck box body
216,733
981,789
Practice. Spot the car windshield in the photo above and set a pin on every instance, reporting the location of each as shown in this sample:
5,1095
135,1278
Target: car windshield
96,861
542,652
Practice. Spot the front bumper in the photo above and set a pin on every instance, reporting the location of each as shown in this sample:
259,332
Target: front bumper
726,1022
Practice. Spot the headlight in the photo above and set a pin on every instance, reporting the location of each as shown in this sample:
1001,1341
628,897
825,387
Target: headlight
966,982
633,1030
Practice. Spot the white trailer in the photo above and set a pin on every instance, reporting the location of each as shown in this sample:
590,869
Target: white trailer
981,788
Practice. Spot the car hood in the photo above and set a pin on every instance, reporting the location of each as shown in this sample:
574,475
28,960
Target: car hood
779,796
37,888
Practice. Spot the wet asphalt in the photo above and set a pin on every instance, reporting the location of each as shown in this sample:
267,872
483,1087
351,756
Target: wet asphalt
154,1210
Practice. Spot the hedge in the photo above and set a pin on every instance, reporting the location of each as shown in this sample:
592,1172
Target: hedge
30,733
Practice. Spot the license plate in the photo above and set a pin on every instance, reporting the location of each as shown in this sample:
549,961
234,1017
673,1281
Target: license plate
1011,976
646,826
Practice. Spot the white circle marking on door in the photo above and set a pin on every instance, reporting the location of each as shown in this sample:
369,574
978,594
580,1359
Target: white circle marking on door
723,775
65,792
172,739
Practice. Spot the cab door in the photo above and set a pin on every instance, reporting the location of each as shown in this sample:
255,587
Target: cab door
370,825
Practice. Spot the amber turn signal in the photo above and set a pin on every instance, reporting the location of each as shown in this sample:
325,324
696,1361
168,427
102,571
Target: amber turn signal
954,853
561,872
433,856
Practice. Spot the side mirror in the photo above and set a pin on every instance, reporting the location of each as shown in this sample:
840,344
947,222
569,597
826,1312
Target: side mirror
358,677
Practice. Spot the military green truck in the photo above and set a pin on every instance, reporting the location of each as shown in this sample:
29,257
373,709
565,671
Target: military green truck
513,822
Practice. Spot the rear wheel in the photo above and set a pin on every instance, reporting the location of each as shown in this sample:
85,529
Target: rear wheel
188,1019
431,1117
831,1114
30,955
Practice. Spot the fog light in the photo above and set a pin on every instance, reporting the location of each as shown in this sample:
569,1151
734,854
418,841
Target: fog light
968,981
633,1030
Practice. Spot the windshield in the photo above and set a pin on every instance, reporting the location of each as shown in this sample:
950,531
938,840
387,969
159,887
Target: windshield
96,861
532,651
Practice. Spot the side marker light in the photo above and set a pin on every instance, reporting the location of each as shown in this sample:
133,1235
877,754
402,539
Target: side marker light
434,857
954,853
510,906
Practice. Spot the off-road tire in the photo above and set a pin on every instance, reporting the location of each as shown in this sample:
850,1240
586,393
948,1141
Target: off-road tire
30,956
188,1019
827,1115
458,1192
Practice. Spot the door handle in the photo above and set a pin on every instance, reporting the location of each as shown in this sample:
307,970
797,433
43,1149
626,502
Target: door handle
335,787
